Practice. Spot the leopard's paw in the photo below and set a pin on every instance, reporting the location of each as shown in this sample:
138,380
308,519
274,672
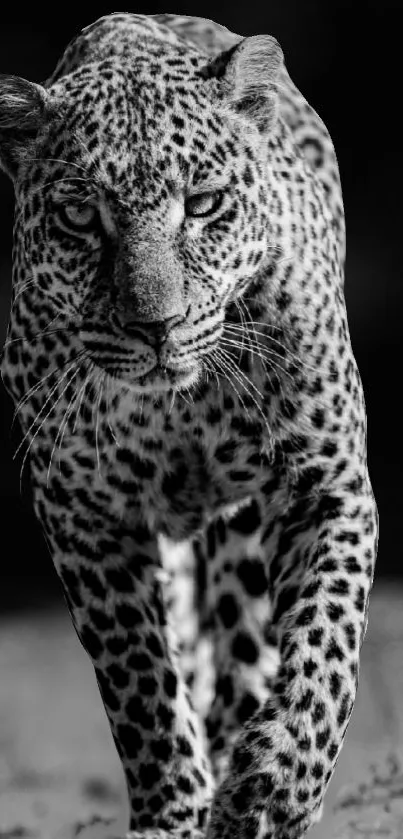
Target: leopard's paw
273,788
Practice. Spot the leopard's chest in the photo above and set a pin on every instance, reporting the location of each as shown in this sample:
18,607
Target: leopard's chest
174,475
202,479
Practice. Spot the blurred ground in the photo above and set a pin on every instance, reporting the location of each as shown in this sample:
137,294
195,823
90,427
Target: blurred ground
58,765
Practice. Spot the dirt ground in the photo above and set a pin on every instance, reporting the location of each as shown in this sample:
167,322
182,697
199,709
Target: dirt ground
58,765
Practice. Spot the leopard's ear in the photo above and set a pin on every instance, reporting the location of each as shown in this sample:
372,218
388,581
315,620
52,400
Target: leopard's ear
248,75
22,115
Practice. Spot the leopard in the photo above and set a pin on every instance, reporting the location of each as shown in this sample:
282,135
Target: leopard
193,421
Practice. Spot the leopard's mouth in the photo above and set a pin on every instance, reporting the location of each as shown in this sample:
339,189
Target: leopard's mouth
152,371
158,379
162,377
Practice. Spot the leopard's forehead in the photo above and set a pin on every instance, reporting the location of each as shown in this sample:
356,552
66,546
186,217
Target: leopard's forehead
140,71
146,116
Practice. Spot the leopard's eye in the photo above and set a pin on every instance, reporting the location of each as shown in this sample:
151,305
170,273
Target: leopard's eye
203,204
80,217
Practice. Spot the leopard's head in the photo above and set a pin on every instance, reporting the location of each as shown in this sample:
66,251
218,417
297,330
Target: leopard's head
143,200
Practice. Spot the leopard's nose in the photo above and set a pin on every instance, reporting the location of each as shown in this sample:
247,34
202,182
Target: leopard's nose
153,332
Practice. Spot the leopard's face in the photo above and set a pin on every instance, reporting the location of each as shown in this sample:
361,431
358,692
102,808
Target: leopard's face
144,215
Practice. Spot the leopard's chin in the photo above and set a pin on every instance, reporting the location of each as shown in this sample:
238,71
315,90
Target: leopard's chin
161,379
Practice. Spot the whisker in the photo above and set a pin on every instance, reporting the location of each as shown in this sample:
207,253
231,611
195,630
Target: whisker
92,158
270,356
66,179
259,323
39,384
110,380
102,382
21,290
189,391
255,342
223,365
242,316
238,374
81,395
246,324
55,160
61,430
181,393
49,397
212,370
25,340
42,423
284,259
172,402
286,350
77,392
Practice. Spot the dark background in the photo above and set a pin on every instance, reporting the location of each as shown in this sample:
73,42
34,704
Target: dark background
345,58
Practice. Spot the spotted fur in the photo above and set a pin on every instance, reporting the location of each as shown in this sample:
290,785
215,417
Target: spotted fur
193,418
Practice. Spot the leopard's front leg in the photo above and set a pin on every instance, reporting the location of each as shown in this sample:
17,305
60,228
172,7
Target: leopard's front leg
114,584
285,756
